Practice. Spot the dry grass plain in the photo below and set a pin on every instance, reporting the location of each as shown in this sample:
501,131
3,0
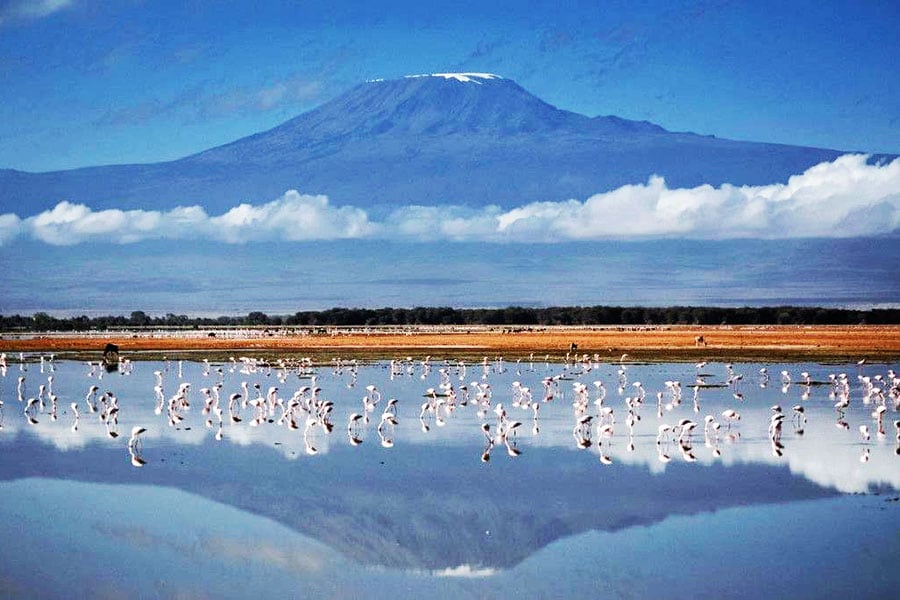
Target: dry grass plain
640,343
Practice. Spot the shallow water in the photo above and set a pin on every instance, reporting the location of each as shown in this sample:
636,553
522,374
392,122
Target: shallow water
412,509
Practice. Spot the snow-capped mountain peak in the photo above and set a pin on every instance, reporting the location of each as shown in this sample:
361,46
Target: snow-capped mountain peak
461,77
461,138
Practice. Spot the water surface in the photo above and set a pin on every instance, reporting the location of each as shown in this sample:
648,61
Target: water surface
413,509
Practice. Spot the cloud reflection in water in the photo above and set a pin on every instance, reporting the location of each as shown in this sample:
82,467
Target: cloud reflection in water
428,503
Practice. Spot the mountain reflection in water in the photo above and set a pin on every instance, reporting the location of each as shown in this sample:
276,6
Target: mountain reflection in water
421,509
428,502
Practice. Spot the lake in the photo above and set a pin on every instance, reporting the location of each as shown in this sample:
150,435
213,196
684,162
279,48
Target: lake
461,488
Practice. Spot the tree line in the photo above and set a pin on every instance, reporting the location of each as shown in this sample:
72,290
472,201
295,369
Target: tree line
510,316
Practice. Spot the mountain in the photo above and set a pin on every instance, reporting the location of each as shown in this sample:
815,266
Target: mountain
471,139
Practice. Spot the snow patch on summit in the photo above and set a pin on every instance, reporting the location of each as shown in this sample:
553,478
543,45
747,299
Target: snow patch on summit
461,77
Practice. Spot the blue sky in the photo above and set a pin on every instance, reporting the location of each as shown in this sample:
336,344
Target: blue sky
86,82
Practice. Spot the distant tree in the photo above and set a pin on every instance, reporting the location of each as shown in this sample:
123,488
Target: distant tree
257,318
512,315
139,319
43,321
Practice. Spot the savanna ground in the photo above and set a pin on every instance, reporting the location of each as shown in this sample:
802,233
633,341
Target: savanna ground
735,343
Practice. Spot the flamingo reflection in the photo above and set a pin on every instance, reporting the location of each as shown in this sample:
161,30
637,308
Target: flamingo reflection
135,446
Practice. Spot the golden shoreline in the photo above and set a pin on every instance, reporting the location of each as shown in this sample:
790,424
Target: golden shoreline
871,342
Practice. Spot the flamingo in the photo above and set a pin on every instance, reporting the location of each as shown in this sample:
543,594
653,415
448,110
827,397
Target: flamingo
685,429
663,432
353,429
710,424
775,422
878,415
731,415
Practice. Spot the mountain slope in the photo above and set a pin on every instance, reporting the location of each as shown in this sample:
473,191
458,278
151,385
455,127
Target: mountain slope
438,139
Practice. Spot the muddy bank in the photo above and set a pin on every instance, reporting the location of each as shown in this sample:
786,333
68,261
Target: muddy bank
640,343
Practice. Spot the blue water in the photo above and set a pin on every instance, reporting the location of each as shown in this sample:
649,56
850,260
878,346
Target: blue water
255,512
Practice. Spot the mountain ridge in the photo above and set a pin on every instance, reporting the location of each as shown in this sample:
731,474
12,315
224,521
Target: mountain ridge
430,140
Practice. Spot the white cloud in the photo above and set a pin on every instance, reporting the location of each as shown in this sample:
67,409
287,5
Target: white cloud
846,197
67,224
286,92
10,227
30,9
466,572
843,198
293,217
425,223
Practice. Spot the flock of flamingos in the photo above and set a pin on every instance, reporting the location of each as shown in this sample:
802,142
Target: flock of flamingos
236,393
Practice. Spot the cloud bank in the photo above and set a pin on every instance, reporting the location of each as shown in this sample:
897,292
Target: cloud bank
844,198
293,217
